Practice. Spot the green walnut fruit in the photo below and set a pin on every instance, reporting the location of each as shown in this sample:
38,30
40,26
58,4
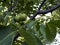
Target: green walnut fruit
20,17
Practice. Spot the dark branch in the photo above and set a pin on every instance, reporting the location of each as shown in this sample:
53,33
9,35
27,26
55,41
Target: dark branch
49,10
45,11
41,5
38,10
31,18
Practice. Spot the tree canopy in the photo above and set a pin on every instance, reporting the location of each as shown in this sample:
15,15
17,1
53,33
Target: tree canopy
29,22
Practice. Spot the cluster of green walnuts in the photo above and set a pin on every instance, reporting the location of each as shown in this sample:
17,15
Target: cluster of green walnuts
20,17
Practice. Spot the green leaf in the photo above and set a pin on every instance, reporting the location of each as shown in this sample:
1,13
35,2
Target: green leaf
55,22
31,24
42,30
38,41
50,32
37,26
30,39
6,35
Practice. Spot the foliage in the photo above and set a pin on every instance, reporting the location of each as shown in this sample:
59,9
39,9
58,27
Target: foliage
14,22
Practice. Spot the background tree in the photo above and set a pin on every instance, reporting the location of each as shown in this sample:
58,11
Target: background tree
16,29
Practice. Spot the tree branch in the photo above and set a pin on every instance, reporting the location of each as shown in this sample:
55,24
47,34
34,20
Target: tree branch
45,11
41,5
49,10
37,10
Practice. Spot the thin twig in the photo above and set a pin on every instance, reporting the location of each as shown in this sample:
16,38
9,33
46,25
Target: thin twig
49,10
41,5
37,10
45,11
